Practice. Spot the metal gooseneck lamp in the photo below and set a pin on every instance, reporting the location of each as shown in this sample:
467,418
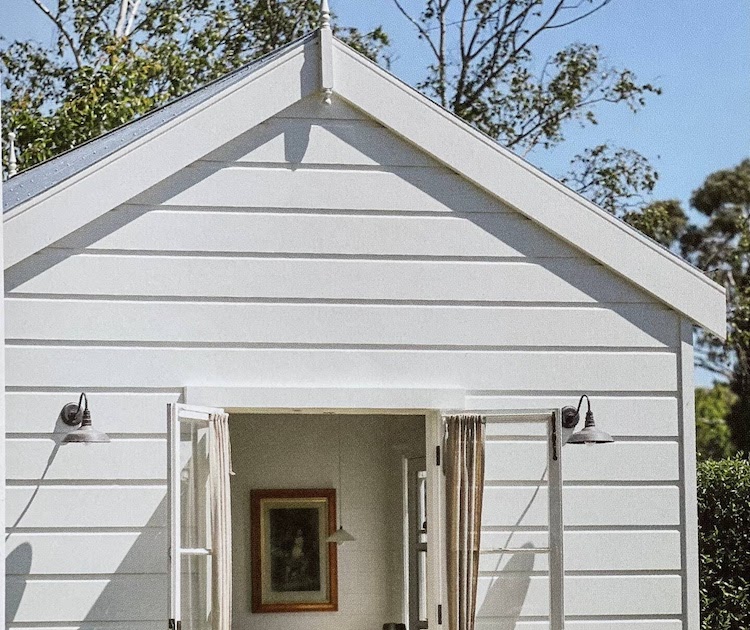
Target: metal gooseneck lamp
73,415
590,434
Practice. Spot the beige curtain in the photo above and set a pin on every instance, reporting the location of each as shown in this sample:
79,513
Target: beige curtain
464,471
220,466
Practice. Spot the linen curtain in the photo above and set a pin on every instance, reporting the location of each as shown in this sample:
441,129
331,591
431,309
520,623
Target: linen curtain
464,471
220,457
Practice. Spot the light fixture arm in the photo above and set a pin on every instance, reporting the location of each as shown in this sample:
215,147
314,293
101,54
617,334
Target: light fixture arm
71,411
570,415
589,434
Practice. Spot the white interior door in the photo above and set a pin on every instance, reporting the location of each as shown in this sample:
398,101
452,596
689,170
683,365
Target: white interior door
189,518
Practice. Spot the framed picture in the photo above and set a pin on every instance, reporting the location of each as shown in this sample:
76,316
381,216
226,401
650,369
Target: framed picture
293,567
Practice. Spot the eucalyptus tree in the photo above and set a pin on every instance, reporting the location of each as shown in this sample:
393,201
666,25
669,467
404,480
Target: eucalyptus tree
482,67
720,245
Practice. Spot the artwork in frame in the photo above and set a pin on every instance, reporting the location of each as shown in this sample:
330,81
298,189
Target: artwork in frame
293,566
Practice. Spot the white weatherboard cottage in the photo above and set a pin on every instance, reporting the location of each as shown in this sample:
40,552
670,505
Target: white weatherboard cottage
336,262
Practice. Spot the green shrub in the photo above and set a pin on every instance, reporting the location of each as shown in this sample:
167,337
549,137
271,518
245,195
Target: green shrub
713,439
724,527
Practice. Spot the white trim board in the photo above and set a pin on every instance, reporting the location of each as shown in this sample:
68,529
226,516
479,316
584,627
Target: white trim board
295,74
341,399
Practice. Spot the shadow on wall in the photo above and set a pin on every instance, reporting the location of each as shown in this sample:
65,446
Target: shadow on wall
133,589
79,576
507,593
17,562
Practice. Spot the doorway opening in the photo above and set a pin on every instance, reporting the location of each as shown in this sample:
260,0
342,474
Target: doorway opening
378,573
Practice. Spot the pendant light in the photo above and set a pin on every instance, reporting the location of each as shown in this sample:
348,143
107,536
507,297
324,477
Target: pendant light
340,536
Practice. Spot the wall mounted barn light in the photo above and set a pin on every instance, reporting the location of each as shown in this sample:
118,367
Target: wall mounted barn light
590,434
73,415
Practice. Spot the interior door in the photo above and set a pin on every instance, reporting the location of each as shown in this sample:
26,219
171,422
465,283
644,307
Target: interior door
189,522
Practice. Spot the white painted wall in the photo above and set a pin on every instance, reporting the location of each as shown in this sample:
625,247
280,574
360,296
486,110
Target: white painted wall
300,451
318,250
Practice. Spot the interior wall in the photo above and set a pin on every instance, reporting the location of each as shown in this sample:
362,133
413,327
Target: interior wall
301,451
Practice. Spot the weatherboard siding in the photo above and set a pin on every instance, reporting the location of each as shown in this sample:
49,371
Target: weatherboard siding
319,249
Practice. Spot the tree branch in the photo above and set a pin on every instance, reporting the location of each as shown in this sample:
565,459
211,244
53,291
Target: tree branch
61,25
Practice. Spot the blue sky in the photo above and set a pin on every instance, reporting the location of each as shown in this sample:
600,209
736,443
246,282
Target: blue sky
698,52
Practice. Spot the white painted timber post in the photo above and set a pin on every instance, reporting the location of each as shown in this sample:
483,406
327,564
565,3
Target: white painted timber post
326,52
689,498
2,407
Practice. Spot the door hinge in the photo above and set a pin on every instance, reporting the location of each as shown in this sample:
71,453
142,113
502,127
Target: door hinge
174,625
437,456
440,614
554,437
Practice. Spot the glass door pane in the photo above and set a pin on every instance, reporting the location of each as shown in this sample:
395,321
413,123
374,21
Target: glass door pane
195,526
189,516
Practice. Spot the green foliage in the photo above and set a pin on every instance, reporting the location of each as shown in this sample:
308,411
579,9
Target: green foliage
721,247
723,515
712,407
664,221
483,70
102,70
614,179
108,65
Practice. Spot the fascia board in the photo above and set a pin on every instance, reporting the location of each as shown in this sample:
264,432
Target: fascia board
104,185
528,190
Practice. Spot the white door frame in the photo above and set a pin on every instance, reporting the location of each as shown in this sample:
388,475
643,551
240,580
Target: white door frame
177,413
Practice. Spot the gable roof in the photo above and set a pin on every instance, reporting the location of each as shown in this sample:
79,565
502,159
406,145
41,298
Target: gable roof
48,174
57,197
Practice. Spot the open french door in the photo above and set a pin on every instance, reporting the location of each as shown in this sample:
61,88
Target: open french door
521,557
189,517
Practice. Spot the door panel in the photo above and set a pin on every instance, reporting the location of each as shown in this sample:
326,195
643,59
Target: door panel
190,592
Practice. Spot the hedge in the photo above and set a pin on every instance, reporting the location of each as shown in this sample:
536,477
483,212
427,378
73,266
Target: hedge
724,529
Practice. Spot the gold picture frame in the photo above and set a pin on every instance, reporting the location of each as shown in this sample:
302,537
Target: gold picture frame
294,568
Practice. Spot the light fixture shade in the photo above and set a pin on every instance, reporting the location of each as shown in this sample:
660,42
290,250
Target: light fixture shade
340,536
86,433
590,434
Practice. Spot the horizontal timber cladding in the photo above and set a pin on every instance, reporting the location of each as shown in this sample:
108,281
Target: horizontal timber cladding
533,280
223,230
93,625
47,365
80,506
308,140
397,188
140,551
619,326
113,598
591,551
584,595
593,623
509,461
46,457
583,506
